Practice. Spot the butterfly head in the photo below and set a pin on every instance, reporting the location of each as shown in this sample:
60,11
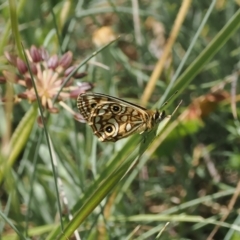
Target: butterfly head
159,116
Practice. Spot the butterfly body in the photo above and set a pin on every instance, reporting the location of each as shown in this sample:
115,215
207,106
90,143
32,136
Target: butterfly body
112,119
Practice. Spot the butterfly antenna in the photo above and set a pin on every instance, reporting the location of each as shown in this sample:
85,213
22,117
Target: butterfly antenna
169,99
176,108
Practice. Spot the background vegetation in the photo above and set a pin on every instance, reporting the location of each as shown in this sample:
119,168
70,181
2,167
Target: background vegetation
182,183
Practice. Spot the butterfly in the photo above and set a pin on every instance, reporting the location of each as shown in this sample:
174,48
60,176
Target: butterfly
112,118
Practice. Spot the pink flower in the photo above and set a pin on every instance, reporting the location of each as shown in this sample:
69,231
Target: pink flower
49,73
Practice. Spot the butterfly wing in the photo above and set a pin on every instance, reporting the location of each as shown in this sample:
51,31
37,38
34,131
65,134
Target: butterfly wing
111,118
86,103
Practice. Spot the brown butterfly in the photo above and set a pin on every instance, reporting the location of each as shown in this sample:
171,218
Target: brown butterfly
112,118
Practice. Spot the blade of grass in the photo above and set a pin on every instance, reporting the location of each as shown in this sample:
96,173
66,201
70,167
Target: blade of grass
160,64
180,67
47,137
14,25
19,139
206,55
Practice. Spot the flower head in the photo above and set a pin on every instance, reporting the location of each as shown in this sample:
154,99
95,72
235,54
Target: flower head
49,74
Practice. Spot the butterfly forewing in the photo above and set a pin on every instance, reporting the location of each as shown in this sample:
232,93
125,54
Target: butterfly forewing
86,103
111,118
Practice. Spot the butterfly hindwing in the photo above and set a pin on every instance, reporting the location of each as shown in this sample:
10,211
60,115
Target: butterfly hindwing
111,121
